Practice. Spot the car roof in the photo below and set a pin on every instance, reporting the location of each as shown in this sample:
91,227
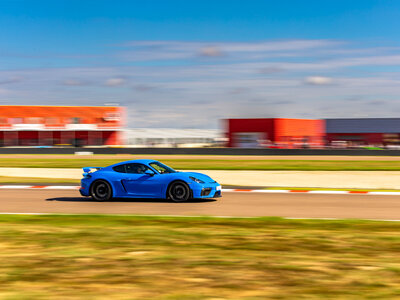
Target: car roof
140,161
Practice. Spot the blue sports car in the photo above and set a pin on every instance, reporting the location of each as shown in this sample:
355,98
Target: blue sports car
145,178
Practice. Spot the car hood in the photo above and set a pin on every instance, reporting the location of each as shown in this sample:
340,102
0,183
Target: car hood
200,176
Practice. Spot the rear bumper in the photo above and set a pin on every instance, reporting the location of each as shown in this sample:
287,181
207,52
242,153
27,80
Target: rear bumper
84,189
83,192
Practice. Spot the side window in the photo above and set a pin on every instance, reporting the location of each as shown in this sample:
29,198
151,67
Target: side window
136,168
119,169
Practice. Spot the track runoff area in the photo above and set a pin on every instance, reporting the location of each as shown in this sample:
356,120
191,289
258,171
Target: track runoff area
303,191
29,199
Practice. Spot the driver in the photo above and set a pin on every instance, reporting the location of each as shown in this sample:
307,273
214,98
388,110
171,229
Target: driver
141,169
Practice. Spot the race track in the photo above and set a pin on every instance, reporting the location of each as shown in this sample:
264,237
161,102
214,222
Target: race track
242,204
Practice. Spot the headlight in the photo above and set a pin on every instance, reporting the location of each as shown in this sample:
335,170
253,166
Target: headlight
196,180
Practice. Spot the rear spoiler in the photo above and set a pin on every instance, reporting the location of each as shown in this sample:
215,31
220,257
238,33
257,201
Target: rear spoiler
87,170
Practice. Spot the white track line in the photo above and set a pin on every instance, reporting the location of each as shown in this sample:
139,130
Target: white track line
15,186
269,191
329,192
60,187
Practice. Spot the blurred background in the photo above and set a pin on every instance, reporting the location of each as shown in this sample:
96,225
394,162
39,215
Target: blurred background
292,106
259,74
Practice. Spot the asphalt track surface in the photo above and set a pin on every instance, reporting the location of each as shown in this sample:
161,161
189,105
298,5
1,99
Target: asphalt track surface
240,204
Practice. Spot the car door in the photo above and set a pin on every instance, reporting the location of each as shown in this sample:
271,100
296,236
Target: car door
139,184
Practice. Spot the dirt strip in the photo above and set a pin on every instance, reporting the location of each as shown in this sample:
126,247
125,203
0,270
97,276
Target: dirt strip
296,205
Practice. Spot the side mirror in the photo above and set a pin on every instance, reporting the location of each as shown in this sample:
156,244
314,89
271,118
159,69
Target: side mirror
149,172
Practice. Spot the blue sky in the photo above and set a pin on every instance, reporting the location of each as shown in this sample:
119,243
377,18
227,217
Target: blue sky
189,63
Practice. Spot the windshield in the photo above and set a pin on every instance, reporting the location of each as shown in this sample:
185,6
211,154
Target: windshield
161,168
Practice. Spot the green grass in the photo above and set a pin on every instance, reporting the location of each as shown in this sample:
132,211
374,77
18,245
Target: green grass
213,164
130,257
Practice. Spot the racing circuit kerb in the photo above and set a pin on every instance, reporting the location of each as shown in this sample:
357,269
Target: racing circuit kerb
145,178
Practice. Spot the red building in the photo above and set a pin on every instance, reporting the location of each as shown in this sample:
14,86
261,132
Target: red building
60,125
363,132
275,132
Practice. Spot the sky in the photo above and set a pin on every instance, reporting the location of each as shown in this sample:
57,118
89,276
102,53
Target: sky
189,64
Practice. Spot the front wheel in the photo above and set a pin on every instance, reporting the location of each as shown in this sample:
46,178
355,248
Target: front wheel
101,191
179,192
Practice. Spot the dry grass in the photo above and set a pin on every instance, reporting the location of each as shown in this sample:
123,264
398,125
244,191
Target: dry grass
126,257
207,163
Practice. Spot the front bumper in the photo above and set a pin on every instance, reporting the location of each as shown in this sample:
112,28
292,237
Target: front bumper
206,190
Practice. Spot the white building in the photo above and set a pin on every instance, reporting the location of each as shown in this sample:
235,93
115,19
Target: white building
167,137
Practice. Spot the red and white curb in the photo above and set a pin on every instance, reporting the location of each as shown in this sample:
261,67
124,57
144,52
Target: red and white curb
40,187
333,192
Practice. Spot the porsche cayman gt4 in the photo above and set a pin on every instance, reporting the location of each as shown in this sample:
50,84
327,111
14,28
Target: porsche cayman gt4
145,178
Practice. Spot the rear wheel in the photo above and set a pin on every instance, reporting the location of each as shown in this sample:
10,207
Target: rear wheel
101,191
179,192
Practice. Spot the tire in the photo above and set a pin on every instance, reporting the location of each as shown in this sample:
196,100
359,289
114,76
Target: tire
178,192
101,191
